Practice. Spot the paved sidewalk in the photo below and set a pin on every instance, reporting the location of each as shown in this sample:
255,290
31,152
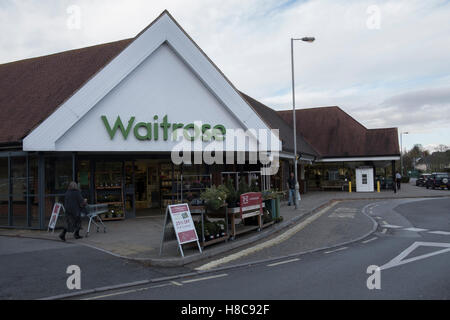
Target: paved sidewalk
140,238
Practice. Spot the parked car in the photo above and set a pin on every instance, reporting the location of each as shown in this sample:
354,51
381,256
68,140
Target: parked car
422,180
438,180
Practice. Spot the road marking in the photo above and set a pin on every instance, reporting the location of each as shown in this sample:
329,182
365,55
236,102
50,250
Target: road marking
399,260
391,226
369,240
282,262
269,243
444,233
127,291
176,283
415,229
340,249
206,278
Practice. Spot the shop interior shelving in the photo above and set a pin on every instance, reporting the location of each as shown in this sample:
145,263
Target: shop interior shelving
166,185
113,196
109,190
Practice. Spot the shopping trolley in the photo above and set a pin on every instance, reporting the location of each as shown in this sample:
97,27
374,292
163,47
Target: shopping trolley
93,212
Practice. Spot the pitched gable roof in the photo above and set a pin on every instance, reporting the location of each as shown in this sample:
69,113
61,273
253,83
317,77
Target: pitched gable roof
32,89
275,121
61,77
334,133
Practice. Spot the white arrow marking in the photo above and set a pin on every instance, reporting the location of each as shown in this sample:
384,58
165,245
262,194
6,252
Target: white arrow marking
415,229
398,260
444,233
391,226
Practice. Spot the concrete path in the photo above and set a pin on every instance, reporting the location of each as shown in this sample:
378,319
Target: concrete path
140,238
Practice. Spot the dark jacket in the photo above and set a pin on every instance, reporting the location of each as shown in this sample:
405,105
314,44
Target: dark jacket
73,201
291,182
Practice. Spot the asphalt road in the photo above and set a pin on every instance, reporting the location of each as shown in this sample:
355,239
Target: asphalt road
411,246
33,269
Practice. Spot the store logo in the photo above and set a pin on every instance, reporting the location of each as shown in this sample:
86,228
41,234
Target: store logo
151,130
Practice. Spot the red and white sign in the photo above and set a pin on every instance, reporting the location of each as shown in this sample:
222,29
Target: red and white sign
182,223
55,214
250,201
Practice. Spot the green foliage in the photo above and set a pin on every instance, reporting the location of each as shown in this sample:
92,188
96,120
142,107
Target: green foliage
243,187
254,186
214,197
232,194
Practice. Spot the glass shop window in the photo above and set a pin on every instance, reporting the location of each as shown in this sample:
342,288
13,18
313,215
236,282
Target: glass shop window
333,175
58,174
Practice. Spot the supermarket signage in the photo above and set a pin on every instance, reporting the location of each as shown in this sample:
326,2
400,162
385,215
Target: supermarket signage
151,130
250,201
183,223
55,214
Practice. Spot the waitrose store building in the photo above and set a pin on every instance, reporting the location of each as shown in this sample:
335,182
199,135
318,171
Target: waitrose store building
111,118
148,121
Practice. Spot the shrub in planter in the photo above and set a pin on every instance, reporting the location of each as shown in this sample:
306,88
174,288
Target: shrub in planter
214,197
243,188
254,186
232,195
210,231
221,228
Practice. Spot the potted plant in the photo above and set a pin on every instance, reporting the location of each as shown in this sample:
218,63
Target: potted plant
214,197
210,231
232,195
254,186
243,187
221,228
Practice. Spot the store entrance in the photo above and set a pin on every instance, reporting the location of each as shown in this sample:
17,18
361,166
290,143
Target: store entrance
146,188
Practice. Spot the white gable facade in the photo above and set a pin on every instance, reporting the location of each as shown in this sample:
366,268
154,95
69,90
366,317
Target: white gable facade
158,85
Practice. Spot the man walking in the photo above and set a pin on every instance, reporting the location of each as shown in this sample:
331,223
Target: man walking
398,179
291,187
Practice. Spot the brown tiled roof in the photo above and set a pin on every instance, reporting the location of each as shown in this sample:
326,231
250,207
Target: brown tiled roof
30,90
275,121
334,133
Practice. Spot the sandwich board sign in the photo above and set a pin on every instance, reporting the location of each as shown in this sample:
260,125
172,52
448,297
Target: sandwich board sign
183,225
55,214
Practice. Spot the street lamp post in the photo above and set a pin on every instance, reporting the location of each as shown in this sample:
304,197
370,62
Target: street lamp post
401,152
306,39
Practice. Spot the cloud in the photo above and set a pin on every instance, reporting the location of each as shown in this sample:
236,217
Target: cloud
382,77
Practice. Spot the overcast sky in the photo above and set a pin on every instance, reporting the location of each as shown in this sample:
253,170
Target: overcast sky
386,63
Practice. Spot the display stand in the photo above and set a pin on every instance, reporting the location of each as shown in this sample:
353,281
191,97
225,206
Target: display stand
55,215
183,226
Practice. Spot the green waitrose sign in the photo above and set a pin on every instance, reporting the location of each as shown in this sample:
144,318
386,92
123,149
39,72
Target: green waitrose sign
151,130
